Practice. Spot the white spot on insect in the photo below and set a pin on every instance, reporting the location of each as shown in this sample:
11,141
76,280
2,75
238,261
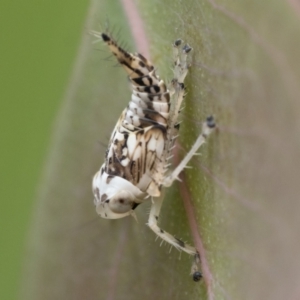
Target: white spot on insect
141,143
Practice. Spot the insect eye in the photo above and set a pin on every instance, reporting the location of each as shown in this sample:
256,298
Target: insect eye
120,203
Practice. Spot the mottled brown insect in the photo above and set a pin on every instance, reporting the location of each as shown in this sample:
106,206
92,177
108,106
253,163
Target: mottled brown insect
137,159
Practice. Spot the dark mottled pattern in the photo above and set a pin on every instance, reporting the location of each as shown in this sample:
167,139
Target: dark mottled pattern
103,197
180,242
109,178
150,111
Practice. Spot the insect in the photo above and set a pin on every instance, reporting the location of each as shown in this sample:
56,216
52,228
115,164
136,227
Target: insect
138,157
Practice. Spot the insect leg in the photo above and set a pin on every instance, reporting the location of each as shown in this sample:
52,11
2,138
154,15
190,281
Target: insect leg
180,60
207,128
177,89
152,223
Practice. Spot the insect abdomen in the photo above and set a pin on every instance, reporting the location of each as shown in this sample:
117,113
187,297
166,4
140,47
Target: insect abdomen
150,100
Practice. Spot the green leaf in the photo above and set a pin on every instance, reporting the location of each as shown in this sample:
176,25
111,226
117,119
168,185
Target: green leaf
245,71
244,188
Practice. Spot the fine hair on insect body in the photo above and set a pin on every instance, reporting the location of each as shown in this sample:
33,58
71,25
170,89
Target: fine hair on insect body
137,160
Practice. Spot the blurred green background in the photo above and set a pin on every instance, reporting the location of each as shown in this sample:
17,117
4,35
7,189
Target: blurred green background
39,42
246,191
